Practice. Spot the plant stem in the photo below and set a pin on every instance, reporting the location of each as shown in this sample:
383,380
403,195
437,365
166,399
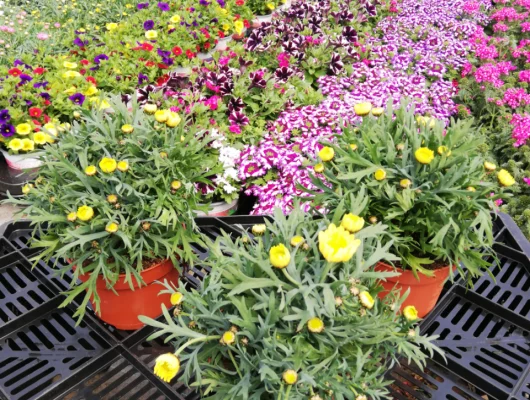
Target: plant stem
281,392
196,340
290,278
287,392
234,362
325,273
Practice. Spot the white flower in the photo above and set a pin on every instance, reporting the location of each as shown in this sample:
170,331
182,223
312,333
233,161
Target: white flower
231,173
228,188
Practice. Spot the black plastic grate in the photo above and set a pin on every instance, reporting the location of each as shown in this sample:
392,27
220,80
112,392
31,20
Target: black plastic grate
490,349
45,352
435,382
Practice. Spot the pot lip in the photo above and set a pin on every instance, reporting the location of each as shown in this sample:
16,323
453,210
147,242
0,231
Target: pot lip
148,275
407,276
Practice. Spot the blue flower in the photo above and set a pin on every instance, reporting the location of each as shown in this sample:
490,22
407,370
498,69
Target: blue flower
25,79
40,84
149,24
100,58
4,116
142,5
77,98
163,6
7,130
79,42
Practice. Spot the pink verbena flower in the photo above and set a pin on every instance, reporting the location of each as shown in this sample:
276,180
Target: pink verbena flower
521,129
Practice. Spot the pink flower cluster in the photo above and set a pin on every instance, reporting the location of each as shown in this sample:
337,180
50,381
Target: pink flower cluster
521,128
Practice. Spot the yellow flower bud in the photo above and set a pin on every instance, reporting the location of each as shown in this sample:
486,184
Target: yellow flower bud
91,170
112,227
127,128
319,168
326,154
167,366
380,174
352,223
424,155
176,298
279,256
366,299
290,377
71,217
444,150
410,313
315,325
112,198
362,109
123,166
297,240
228,338
176,185
259,229
405,183
505,178
150,108
489,166
161,115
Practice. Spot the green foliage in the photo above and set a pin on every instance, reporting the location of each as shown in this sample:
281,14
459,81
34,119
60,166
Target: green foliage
443,216
269,310
154,221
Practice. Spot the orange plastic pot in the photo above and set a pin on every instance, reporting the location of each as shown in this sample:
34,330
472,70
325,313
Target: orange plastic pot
121,310
424,292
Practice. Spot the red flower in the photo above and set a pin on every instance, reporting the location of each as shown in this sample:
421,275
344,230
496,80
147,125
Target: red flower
35,112
206,45
237,16
46,118
91,79
240,2
82,71
150,64
221,34
190,54
198,48
39,70
14,72
147,46
37,123
47,102
246,23
84,62
177,51
162,66
163,79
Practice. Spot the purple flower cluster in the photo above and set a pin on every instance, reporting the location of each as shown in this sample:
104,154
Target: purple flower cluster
6,129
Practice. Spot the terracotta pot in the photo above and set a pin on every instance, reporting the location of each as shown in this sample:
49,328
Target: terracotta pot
122,310
424,293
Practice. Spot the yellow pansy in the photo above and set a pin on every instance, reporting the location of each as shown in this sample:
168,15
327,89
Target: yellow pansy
326,154
424,155
108,165
167,366
24,129
352,223
315,325
85,213
337,244
279,256
410,313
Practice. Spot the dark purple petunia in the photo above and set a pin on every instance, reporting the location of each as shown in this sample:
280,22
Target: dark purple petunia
221,3
149,24
25,79
163,6
79,42
349,34
44,95
163,53
282,74
4,116
142,78
40,84
7,130
142,5
336,65
99,58
204,3
257,80
235,104
77,98
28,102
17,63
238,118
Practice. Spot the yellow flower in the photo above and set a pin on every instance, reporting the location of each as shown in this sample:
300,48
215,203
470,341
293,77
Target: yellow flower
104,105
337,244
24,129
28,145
226,27
378,111
326,154
271,6
71,90
150,108
373,220
85,213
315,325
410,313
489,166
366,299
444,150
91,170
111,26
424,155
123,166
71,217
471,189
108,165
319,168
71,74
92,90
69,65
400,146
112,227
77,114
239,26
163,154
15,144
167,366
405,183
362,109
228,338
222,11
279,256
354,146
173,120
175,19
259,229
426,121
176,185
290,377
127,128
51,128
380,174
40,137
176,298
151,35
297,240
112,198
505,178
352,223
161,115
26,188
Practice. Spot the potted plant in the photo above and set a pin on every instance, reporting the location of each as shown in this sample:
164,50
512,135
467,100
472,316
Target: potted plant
263,10
426,182
292,313
116,199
